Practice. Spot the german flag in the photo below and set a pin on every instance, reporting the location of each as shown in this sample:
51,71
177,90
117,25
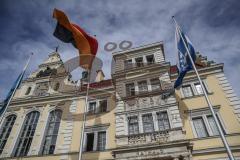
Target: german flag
72,33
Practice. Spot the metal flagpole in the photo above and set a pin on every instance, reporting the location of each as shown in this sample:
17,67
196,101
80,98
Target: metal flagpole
229,152
84,118
18,83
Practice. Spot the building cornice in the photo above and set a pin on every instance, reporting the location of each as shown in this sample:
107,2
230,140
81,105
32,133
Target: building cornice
143,47
217,68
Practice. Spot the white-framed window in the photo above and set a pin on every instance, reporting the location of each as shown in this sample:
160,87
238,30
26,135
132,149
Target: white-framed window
128,64
187,90
193,89
27,134
92,107
133,127
130,89
148,125
102,106
163,121
101,141
200,127
204,125
97,106
95,141
50,138
139,61
6,130
150,59
155,84
142,86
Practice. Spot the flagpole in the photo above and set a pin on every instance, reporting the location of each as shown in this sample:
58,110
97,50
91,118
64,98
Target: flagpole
18,83
229,152
84,118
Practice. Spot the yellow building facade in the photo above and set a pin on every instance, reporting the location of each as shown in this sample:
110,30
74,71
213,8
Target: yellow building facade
131,116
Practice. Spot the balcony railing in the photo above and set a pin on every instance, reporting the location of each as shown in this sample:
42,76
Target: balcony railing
146,138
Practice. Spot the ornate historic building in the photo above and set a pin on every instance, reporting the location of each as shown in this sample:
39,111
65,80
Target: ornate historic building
134,115
148,124
45,117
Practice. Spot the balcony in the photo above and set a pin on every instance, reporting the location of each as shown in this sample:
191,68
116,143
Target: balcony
146,138
156,137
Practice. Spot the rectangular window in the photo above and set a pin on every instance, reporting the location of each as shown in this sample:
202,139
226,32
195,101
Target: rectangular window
187,91
128,64
101,142
150,59
103,106
212,125
139,61
133,125
147,123
198,88
163,122
200,127
142,86
92,107
155,83
90,141
130,89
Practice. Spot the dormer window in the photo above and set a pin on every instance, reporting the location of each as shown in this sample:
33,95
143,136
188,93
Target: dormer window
139,61
150,59
28,90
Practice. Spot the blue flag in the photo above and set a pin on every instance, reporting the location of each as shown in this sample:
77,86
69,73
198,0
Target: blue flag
183,62
15,85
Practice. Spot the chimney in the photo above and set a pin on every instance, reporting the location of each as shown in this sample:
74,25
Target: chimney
100,76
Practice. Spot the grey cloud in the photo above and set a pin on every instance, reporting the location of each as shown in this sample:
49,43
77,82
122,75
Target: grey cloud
27,26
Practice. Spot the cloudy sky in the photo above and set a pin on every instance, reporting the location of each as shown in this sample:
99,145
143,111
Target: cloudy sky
27,26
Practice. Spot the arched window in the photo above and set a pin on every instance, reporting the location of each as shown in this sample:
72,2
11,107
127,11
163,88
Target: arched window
52,132
28,91
27,134
6,130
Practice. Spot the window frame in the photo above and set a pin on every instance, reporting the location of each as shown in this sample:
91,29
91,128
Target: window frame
207,125
153,127
95,140
129,91
4,125
139,85
168,120
191,89
97,109
46,131
139,64
128,64
138,122
24,124
153,57
194,89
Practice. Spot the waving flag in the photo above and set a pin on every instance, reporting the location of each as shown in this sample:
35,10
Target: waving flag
184,63
11,92
72,33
